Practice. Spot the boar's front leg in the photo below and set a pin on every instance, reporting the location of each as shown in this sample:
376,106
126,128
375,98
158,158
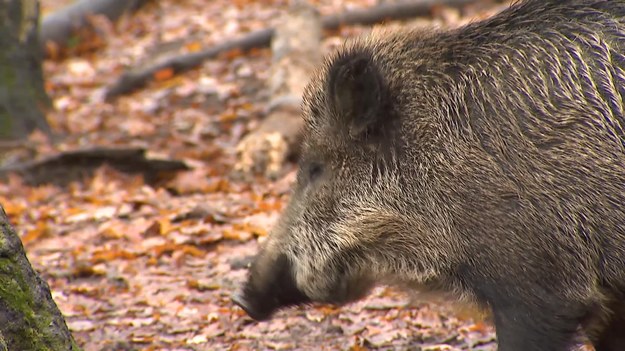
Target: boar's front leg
536,326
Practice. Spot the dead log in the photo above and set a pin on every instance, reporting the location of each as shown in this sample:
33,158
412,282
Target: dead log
29,318
59,27
137,77
65,167
296,51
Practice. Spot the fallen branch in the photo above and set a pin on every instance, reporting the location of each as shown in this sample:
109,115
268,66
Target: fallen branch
58,28
137,78
68,166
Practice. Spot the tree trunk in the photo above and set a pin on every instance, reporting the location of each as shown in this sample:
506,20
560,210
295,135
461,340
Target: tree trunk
29,318
23,100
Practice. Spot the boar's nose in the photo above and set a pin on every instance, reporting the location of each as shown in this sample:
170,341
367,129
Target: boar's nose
269,288
258,313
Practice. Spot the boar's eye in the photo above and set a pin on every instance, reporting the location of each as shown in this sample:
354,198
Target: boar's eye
315,170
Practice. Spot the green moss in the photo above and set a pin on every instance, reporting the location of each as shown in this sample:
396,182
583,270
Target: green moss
75,346
15,293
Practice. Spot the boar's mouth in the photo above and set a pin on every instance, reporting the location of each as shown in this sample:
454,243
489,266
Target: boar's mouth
349,289
264,294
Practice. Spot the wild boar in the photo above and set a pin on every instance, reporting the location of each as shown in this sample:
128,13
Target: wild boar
485,162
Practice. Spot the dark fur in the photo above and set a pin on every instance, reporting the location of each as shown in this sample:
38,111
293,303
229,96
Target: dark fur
487,162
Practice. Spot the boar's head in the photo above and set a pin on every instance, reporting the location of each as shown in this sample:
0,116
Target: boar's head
334,240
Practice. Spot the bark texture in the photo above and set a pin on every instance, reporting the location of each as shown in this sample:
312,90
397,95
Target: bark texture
29,318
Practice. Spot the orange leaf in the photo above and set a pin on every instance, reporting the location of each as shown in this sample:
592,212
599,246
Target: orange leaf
112,254
236,235
227,116
478,327
12,208
357,346
160,250
152,261
256,230
201,285
194,46
40,231
171,247
166,226
192,250
117,229
266,206
163,74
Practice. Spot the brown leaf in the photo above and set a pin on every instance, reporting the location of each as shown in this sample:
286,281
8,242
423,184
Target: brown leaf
231,234
201,285
104,255
169,248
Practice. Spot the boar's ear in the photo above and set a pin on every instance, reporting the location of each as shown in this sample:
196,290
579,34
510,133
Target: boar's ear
357,92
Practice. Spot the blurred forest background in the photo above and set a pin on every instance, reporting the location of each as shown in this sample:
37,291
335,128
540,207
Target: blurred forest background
146,148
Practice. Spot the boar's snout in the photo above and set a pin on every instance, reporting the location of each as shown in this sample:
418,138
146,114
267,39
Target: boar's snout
270,286
253,309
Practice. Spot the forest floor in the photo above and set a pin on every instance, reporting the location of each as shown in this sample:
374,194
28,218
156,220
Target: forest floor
137,266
